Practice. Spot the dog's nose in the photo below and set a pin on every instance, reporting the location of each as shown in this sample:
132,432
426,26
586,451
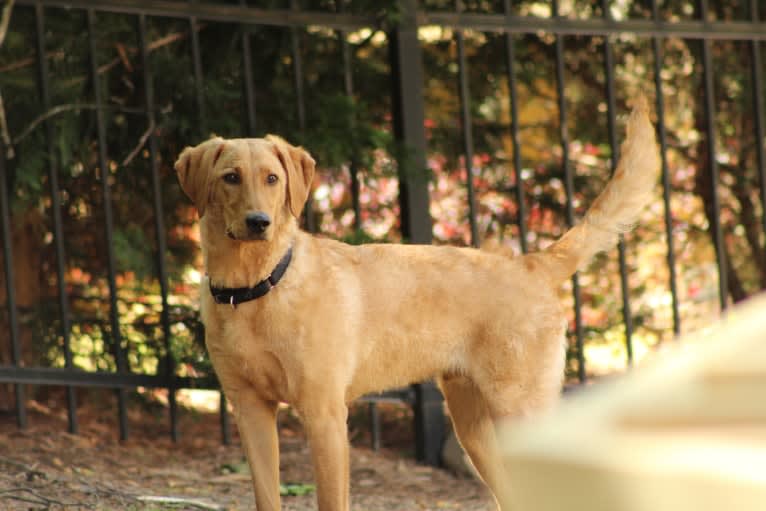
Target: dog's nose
257,222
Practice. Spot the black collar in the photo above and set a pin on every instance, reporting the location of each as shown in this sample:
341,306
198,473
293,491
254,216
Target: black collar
236,295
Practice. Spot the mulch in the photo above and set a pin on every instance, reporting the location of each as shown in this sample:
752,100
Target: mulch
45,468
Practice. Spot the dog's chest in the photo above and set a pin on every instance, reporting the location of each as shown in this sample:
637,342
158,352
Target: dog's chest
245,343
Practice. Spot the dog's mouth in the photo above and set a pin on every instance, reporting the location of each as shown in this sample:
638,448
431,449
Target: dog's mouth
248,237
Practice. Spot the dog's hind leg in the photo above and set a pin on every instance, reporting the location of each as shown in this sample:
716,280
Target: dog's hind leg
472,420
477,405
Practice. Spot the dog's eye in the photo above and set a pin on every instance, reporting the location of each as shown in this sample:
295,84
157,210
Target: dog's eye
232,178
272,178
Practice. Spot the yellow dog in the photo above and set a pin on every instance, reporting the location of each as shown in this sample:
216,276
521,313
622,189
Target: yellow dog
317,323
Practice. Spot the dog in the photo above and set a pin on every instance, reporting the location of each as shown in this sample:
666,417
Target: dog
291,317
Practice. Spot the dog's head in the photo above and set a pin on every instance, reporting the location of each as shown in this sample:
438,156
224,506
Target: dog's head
246,184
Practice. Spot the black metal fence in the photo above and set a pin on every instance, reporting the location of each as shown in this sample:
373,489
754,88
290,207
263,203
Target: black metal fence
408,113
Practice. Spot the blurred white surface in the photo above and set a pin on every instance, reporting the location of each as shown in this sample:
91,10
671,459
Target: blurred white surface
686,431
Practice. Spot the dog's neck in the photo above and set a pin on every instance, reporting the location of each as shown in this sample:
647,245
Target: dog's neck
231,263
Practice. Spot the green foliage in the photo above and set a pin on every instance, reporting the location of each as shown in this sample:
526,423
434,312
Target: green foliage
344,130
237,467
360,238
285,489
130,245
296,489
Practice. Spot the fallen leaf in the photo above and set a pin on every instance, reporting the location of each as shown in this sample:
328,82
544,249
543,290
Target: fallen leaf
296,489
240,467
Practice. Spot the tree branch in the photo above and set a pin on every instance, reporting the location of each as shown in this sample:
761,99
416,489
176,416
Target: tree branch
5,19
37,498
122,57
748,218
21,466
703,187
5,138
159,43
68,107
141,143
58,109
29,61
198,503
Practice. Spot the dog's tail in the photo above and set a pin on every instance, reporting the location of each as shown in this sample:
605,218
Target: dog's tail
618,206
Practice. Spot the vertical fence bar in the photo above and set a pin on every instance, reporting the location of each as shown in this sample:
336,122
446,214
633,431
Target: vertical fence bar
666,185
467,122
429,423
374,426
408,116
298,78
569,185
202,116
297,59
300,99
719,242
159,226
521,215
758,105
353,166
615,149
58,230
103,163
198,76
10,290
225,420
247,73
348,86
353,170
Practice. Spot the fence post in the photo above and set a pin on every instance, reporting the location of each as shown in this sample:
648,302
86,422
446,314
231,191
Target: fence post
429,424
10,289
416,225
408,116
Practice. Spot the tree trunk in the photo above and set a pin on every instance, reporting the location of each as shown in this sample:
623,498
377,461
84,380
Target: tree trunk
27,235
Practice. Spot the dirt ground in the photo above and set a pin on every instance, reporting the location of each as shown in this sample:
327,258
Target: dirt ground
44,467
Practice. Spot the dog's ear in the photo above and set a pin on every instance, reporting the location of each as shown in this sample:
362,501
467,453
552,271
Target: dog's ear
193,167
299,167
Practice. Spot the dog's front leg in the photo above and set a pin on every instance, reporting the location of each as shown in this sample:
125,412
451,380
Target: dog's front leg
328,438
257,424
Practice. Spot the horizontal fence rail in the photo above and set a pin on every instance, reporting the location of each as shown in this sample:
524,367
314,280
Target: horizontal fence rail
728,30
407,116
